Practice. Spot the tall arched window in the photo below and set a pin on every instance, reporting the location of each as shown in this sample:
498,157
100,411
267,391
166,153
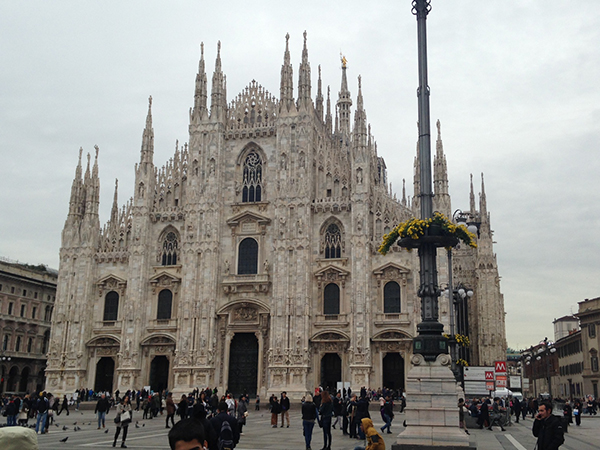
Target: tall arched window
165,303
333,242
391,298
248,257
252,178
170,248
331,299
111,306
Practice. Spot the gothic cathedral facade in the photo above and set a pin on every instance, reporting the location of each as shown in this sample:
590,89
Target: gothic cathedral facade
249,260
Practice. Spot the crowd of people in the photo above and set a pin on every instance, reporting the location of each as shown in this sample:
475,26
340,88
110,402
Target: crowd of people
502,411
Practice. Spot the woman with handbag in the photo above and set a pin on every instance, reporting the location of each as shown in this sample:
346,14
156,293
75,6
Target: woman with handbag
122,420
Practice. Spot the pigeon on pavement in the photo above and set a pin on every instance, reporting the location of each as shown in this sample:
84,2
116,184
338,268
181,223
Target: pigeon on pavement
65,439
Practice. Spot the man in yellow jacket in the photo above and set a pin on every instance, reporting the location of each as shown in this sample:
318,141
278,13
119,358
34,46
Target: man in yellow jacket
374,439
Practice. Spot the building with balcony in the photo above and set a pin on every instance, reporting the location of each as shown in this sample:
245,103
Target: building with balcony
27,296
589,317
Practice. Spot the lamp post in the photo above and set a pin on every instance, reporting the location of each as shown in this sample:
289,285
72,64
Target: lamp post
533,357
458,310
547,350
429,341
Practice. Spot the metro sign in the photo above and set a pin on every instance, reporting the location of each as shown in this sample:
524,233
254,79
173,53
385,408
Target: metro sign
489,375
500,366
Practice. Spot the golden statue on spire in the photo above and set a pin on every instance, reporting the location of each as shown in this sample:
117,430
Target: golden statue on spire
344,60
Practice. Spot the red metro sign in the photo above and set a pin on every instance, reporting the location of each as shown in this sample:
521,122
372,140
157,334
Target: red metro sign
500,366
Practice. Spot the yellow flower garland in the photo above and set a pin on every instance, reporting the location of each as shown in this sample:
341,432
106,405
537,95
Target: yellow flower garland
416,228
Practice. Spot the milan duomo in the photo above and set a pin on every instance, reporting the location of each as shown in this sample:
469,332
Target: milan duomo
249,260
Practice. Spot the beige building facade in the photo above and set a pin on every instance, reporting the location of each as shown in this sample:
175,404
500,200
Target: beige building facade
249,260
27,296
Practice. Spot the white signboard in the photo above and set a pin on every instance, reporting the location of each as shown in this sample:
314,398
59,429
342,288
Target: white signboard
474,373
515,382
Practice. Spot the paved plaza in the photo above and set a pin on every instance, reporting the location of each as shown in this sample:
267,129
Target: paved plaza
258,434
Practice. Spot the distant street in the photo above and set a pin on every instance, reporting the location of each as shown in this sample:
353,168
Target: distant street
258,434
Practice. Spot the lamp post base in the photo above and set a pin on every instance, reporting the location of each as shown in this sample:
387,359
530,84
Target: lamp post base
432,414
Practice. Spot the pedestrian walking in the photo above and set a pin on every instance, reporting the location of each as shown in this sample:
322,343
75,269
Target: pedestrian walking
170,407
462,413
257,403
388,414
242,413
226,427
42,413
182,407
547,428
325,414
122,420
102,407
285,409
517,409
309,415
577,412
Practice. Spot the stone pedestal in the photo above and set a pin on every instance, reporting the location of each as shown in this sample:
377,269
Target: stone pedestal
431,410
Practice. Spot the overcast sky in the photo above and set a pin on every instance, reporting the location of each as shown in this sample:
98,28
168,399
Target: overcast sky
513,82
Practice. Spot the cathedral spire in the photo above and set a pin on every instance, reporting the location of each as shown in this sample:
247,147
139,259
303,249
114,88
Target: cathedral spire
304,82
114,213
75,202
416,205
328,114
200,111
344,101
440,176
360,119
218,97
403,192
286,90
472,198
483,201
147,155
319,102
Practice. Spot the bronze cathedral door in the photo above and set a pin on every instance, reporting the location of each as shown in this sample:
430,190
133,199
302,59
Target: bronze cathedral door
243,364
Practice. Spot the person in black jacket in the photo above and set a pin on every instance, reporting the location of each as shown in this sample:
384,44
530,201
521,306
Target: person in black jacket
309,415
285,408
102,407
548,428
199,415
217,422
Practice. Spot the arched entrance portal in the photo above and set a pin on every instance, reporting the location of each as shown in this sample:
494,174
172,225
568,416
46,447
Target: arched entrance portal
13,377
331,371
159,373
24,380
105,370
393,371
243,364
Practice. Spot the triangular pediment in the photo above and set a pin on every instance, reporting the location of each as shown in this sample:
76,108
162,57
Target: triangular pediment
391,335
164,276
329,269
330,336
111,279
248,216
401,270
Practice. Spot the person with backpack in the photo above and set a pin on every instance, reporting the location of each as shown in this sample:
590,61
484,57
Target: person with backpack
226,427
